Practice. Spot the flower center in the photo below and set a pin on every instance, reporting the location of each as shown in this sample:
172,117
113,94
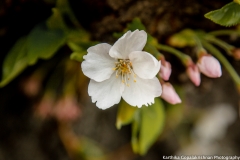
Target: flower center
125,70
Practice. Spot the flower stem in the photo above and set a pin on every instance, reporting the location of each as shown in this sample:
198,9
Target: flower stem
224,61
182,56
152,49
225,32
227,47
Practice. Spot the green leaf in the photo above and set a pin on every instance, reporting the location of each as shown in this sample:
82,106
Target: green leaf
136,24
79,49
15,61
147,126
125,114
43,42
56,21
118,34
228,15
151,125
182,39
75,47
135,132
132,26
65,9
151,40
236,1
151,49
78,36
77,56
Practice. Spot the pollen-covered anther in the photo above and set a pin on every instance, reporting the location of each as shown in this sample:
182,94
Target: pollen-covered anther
124,68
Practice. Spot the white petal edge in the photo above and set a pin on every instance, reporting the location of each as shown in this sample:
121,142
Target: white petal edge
144,64
106,93
142,92
129,42
98,65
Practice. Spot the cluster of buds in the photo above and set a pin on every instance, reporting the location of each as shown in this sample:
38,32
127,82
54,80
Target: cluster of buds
168,92
206,64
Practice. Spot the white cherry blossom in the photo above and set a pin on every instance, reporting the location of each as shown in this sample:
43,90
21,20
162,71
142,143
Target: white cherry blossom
122,70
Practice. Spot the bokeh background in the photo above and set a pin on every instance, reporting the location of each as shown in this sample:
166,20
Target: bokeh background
206,123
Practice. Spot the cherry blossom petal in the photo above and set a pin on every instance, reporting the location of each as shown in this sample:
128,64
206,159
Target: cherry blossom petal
129,42
142,92
144,64
106,93
98,65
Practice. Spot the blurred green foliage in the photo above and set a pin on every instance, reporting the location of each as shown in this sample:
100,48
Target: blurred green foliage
15,62
183,39
44,40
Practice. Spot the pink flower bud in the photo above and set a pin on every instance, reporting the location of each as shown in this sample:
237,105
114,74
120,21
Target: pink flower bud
194,74
209,66
169,94
165,70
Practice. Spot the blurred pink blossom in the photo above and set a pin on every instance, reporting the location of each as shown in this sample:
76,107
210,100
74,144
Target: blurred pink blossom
236,53
209,66
169,94
44,107
194,74
31,86
165,70
66,109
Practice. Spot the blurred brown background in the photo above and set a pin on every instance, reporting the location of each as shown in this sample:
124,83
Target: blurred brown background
208,122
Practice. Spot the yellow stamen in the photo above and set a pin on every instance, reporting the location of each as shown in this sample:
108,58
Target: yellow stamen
125,69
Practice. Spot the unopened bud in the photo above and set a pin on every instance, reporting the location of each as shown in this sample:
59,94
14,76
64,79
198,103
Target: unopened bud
165,70
209,66
194,74
169,94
